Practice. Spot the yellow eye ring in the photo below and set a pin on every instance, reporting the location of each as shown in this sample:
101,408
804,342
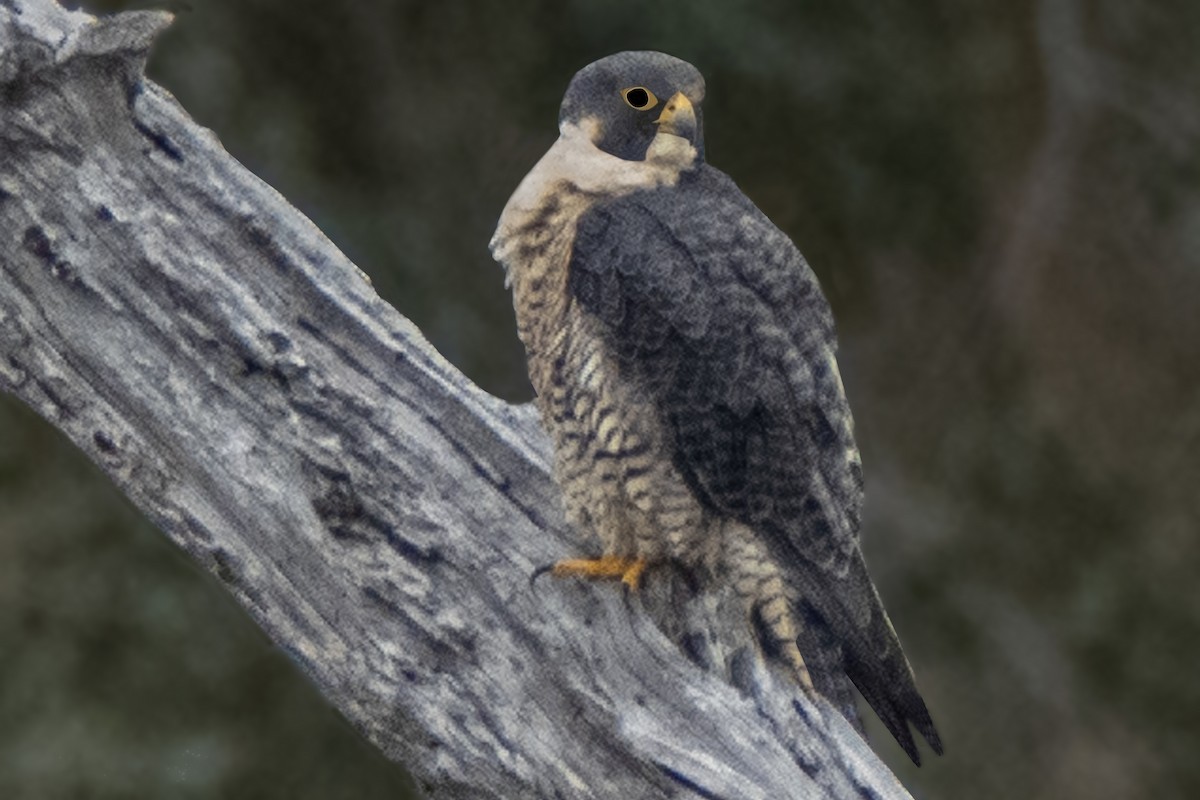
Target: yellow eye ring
639,97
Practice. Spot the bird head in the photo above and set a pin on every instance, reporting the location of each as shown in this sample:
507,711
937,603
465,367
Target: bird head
626,100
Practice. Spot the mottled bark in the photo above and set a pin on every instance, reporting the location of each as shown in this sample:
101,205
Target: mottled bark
377,514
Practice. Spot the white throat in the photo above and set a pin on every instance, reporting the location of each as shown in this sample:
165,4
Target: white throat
574,161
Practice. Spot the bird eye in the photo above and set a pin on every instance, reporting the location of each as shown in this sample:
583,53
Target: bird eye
639,97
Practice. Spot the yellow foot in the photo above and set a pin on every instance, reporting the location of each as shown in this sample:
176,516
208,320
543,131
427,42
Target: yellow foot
629,570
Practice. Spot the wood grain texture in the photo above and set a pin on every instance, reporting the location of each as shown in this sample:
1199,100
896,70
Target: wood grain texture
377,514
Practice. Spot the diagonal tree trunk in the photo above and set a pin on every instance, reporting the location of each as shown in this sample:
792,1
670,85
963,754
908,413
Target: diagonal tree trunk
377,514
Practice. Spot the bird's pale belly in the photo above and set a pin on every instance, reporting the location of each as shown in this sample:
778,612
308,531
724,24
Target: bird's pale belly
611,454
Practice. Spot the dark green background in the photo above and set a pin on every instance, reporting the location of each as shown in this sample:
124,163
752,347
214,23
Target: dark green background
1003,204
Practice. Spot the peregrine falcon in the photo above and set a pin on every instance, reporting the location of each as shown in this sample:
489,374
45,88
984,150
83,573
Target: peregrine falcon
683,359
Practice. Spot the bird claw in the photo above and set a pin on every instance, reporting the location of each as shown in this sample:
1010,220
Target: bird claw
539,572
631,578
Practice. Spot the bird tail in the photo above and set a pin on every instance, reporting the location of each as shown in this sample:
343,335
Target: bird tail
853,613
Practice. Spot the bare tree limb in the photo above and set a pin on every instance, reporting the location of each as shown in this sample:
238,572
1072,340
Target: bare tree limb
377,514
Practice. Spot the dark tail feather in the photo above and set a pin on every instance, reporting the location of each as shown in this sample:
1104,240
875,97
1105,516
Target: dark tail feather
898,705
873,660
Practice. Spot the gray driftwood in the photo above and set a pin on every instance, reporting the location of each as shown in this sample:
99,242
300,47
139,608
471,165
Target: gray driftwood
377,514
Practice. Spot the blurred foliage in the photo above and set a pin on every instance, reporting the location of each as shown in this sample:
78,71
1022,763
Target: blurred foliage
1003,203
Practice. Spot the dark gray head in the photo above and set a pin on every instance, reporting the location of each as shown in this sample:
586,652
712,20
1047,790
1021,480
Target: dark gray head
629,95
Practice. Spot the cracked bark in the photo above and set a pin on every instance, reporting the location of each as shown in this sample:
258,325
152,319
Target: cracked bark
377,514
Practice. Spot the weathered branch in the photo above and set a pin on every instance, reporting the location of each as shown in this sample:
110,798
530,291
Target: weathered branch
373,511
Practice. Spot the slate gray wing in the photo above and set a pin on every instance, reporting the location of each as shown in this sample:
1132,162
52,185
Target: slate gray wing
717,319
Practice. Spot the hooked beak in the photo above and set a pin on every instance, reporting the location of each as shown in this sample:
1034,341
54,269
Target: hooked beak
678,117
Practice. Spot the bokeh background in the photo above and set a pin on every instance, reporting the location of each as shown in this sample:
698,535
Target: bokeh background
1003,204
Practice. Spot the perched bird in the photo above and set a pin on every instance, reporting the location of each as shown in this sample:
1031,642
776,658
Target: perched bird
683,359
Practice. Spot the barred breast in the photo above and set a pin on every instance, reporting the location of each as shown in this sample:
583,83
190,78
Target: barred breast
612,455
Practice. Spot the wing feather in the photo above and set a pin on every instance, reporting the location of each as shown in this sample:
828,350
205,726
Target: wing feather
719,319
715,316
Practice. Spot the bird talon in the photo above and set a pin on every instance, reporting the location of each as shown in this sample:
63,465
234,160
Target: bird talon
627,594
632,577
539,572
